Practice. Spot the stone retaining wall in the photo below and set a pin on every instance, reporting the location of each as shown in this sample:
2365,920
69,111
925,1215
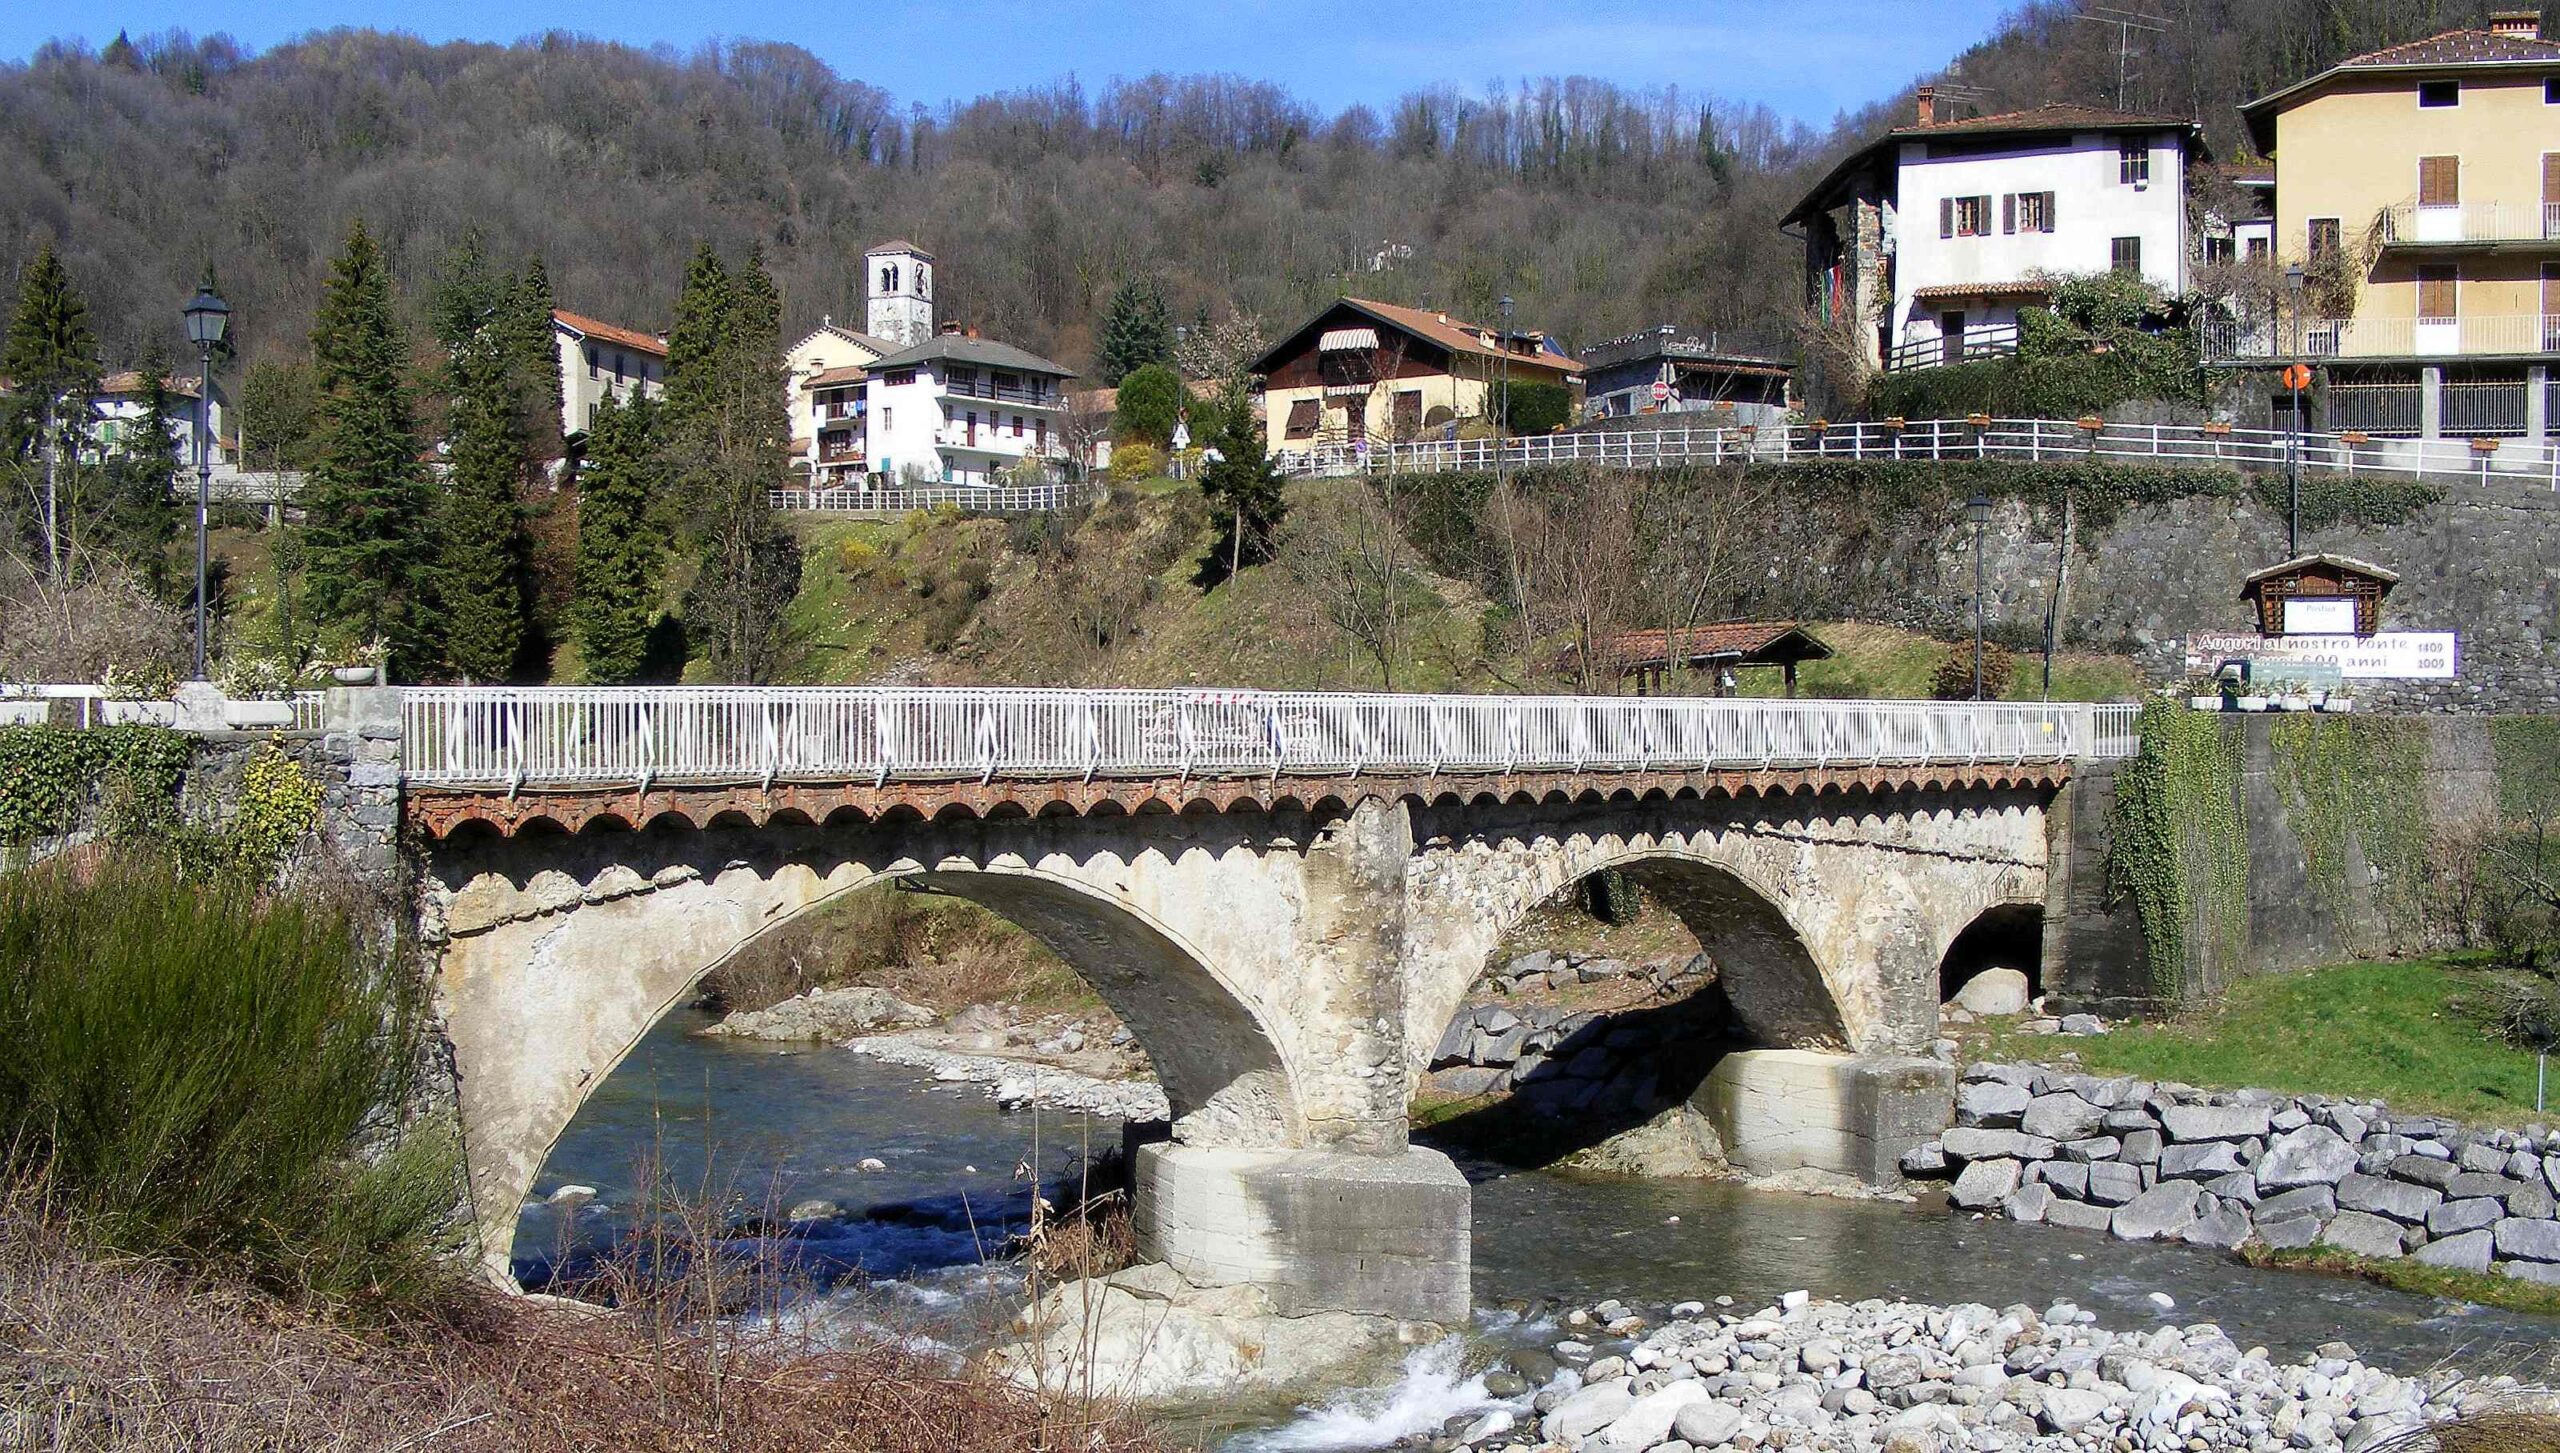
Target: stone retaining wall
1566,1061
2152,1161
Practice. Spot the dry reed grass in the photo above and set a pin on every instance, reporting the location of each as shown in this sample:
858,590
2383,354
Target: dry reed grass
2505,1431
106,1356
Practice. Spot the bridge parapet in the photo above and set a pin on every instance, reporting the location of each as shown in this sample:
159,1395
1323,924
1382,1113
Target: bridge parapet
462,738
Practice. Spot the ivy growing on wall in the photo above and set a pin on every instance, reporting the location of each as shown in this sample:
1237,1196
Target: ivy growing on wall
2345,500
274,806
49,776
2358,785
2527,752
2179,848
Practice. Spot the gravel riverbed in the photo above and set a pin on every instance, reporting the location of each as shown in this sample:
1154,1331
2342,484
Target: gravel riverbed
1019,1084
1899,1377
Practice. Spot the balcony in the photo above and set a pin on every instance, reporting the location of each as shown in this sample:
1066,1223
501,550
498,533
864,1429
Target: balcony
2471,224
2490,335
976,388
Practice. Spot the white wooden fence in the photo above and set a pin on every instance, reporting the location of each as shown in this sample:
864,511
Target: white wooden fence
460,737
2036,441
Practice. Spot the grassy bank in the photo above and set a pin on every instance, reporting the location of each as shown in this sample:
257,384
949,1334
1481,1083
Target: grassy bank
2417,1035
2402,1274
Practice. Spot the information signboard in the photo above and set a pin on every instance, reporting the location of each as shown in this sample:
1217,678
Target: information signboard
2390,656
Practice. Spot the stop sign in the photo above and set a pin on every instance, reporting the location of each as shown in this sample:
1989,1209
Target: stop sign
1661,393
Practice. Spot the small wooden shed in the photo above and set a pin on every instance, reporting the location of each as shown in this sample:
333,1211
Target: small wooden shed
2319,595
1717,650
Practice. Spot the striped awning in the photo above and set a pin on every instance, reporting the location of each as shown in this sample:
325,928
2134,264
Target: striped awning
1347,340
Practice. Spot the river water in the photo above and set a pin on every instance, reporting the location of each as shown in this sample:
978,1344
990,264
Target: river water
761,1128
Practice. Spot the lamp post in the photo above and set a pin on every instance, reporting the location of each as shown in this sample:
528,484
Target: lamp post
2297,378
1502,421
1978,511
207,316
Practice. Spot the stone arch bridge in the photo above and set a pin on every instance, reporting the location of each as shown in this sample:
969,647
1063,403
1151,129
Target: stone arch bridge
1285,896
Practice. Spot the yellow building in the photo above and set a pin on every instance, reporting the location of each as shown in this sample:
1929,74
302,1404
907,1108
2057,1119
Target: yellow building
1361,372
2417,234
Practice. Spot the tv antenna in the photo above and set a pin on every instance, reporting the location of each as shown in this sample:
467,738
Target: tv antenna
2128,21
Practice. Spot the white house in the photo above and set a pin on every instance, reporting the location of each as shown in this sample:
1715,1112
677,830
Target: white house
600,360
825,398
959,409
122,403
1929,240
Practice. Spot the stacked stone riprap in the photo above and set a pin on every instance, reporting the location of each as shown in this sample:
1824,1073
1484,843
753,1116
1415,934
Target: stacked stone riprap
1897,1376
1573,1060
2151,1161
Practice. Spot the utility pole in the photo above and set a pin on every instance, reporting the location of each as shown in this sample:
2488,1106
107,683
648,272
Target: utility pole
1502,421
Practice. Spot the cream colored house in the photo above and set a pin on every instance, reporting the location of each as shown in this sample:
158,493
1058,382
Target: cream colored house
2418,189
1361,372
600,360
826,397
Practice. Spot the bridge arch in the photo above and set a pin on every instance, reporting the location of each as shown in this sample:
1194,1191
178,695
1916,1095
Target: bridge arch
551,977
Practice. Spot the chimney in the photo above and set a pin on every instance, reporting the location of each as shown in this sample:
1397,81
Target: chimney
951,328
1925,106
2516,24
972,332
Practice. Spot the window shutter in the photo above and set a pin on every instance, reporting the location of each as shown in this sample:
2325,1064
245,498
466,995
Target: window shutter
2048,211
2009,214
1946,216
2439,181
2551,179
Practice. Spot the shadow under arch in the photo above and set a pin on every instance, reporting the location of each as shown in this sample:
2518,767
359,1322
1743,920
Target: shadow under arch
2006,934
1585,1083
1226,1074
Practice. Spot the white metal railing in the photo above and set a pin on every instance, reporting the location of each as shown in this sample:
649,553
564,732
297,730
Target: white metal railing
1009,500
93,706
2409,223
1973,345
2480,334
541,736
2526,461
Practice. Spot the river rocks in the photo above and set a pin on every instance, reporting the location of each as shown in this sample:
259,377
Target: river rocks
824,1016
1894,1377
1985,1183
2164,1210
1018,1084
2313,1155
2218,1169
2470,1251
1993,991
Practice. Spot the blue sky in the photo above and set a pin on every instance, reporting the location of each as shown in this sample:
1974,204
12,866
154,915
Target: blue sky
1805,58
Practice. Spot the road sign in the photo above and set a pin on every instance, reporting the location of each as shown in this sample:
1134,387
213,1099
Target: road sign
1662,393
2298,377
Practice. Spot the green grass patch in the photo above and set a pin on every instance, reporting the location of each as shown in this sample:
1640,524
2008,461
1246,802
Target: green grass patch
2504,1292
2415,1035
1885,663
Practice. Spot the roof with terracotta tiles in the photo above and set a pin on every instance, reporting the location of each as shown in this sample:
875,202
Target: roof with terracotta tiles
2059,118
1437,328
602,331
1748,642
2456,51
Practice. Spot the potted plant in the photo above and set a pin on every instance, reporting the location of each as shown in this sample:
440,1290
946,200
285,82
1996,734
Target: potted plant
140,693
257,692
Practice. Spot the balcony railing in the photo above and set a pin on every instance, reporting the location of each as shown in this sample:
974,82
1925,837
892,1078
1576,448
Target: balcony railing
892,502
1038,398
2411,225
1973,346
2479,335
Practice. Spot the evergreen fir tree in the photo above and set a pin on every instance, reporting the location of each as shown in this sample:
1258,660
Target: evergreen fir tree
537,355
51,360
619,543
140,515
1244,491
481,547
1136,330
730,433
367,541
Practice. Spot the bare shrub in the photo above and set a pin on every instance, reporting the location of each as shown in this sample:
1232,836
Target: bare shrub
73,633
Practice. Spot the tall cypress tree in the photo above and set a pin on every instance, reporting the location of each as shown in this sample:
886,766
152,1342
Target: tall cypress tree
482,549
1136,330
366,507
729,432
51,360
619,544
536,351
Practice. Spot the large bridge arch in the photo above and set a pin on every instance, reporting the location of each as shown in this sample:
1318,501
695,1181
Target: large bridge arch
561,951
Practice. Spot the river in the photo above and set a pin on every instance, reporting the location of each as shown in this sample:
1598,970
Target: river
762,1128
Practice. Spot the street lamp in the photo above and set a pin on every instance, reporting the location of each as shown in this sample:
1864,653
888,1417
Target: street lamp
1502,421
1977,511
2297,378
207,316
